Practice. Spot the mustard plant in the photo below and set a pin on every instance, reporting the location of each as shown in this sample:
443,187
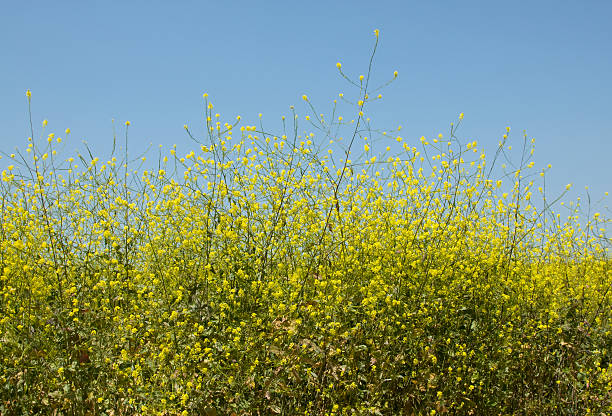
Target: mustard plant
315,271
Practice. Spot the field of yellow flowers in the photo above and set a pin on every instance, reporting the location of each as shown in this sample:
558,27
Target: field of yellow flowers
272,274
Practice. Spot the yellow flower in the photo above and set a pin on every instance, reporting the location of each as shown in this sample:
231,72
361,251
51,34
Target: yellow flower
127,123
29,94
394,74
339,65
304,97
376,32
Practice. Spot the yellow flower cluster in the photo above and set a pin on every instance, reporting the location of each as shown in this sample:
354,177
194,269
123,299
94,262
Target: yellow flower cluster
259,272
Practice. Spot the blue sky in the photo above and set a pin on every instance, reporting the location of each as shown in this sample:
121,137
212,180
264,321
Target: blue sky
540,66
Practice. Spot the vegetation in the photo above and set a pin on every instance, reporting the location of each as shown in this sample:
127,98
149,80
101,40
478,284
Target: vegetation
273,274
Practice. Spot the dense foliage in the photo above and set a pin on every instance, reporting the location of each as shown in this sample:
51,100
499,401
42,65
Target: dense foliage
264,274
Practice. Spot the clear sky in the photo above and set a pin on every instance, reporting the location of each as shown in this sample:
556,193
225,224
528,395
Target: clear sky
540,66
